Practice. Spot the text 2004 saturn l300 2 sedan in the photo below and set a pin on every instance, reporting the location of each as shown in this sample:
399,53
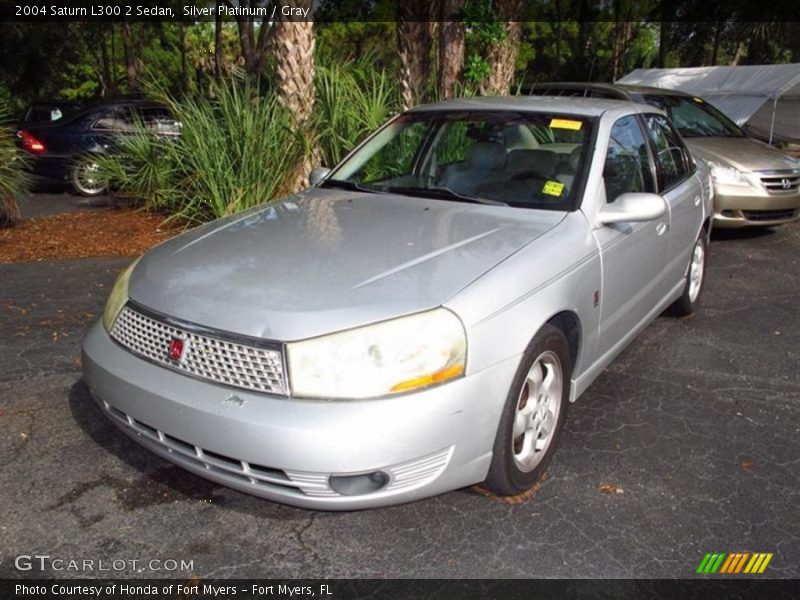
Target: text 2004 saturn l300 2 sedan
420,319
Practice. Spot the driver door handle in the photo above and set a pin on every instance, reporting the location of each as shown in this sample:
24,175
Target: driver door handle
661,228
697,200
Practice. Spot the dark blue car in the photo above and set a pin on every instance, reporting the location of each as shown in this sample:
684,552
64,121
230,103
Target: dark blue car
67,149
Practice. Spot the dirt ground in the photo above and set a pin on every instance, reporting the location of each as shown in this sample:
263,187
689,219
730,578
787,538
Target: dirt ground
83,234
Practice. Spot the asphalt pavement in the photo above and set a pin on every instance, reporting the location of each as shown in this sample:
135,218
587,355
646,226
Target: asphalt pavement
687,444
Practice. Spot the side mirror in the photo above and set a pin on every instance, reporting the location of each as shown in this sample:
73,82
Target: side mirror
632,207
318,174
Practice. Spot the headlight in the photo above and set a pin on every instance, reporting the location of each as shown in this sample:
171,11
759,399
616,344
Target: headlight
395,356
118,297
728,175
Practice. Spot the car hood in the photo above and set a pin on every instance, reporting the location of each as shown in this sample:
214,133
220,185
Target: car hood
328,260
744,153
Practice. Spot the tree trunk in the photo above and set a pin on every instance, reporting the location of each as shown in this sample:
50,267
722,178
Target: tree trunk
254,51
502,54
184,73
559,15
741,50
131,64
413,49
105,72
663,35
717,39
451,48
218,44
293,49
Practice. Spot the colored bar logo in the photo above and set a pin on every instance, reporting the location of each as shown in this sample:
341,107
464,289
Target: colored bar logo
731,563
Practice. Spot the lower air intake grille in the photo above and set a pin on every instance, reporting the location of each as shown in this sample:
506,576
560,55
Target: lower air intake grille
768,215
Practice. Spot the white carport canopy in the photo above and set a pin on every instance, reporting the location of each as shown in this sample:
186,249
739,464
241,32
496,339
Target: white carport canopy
763,98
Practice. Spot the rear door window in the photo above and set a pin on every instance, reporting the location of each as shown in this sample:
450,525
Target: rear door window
627,168
672,157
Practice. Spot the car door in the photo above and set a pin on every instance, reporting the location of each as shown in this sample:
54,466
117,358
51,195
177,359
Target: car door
108,124
680,188
633,254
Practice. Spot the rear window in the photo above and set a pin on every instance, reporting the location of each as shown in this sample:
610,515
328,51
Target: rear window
694,117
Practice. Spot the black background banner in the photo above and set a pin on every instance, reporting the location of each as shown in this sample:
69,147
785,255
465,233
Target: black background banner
367,10
730,588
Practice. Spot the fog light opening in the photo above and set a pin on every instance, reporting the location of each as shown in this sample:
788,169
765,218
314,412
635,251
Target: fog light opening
358,485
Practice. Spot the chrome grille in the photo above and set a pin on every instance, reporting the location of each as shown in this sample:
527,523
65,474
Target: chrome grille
230,363
780,181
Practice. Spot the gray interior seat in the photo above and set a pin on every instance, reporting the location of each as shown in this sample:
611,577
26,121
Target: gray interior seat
532,163
567,172
483,160
519,137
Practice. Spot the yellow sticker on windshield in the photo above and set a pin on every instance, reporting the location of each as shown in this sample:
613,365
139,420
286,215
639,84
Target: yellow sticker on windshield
566,124
553,188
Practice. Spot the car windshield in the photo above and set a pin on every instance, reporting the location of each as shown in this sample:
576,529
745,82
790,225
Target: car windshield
524,159
694,117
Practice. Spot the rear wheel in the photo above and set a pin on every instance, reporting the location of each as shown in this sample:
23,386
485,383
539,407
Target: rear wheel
695,277
534,415
86,179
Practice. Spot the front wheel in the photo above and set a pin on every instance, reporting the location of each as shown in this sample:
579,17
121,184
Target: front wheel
534,415
86,179
695,277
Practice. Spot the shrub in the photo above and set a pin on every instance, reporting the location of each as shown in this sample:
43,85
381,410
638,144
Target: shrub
236,150
238,146
14,180
353,99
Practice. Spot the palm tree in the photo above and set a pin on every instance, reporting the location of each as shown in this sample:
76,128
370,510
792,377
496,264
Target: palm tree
413,51
502,54
293,49
451,48
13,180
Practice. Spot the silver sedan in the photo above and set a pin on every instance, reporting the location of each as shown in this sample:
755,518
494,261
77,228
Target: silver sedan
421,318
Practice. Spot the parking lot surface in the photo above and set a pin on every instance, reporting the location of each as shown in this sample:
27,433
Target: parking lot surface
689,443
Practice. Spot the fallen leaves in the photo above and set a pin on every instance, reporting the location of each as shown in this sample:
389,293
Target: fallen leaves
609,488
512,500
83,234
747,464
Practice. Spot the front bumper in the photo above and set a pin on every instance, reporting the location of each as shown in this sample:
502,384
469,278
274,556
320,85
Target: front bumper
286,450
737,207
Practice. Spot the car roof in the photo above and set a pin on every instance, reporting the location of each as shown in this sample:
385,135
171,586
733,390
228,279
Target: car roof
587,107
95,106
623,89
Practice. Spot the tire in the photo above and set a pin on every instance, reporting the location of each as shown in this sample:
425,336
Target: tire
517,463
81,178
695,278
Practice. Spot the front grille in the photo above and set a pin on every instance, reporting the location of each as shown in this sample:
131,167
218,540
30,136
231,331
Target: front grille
402,477
236,364
769,215
237,470
780,181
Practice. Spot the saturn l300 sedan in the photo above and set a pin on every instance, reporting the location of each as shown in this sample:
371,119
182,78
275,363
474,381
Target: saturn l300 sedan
421,318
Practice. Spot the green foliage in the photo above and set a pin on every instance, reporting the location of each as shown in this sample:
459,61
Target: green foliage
13,179
236,150
483,28
353,99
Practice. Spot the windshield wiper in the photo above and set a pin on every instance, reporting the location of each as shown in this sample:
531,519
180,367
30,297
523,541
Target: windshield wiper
349,185
443,192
